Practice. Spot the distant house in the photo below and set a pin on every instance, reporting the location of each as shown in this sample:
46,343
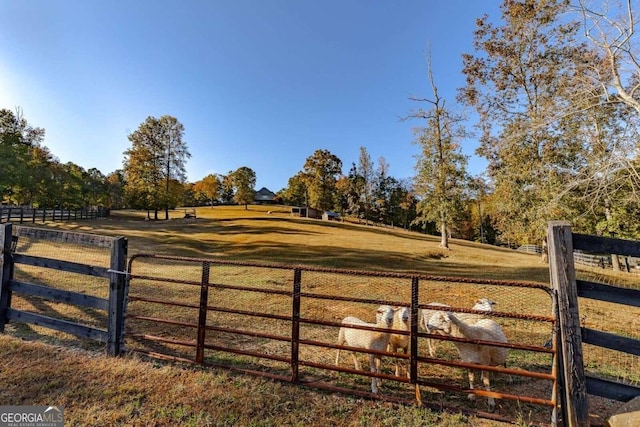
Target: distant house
264,196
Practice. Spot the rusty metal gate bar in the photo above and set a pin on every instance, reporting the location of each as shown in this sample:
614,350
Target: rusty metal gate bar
202,314
296,320
295,324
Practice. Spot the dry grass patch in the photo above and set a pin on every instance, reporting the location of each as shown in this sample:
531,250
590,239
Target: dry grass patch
99,391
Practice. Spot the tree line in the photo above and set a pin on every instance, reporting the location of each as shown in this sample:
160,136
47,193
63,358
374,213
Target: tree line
555,85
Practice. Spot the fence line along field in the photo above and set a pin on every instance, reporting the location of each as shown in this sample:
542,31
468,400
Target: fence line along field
272,235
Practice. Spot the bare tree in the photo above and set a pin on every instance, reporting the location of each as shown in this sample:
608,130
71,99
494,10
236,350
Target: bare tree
441,166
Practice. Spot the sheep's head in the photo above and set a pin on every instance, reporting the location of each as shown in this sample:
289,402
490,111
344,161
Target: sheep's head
384,315
440,321
403,314
484,304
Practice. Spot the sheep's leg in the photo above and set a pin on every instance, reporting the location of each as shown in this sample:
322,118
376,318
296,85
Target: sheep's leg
341,341
394,350
487,386
432,349
374,366
407,364
471,396
356,362
404,363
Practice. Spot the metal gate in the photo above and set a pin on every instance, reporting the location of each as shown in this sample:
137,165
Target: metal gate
282,322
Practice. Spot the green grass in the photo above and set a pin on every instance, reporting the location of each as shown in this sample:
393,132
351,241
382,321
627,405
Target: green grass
140,392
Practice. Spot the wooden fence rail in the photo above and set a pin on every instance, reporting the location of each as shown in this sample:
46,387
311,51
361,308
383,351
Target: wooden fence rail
112,335
22,214
577,384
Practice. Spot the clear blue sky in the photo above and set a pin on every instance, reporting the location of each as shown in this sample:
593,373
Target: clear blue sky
257,83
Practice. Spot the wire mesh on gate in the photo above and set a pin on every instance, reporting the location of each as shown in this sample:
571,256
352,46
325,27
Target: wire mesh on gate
92,255
283,322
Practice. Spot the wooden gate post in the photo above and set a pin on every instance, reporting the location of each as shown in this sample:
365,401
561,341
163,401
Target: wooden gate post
563,281
5,271
117,282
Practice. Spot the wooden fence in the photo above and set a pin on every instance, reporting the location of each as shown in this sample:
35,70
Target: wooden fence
576,384
114,305
21,214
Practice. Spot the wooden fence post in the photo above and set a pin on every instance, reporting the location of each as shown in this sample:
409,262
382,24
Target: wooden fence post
5,271
117,283
563,281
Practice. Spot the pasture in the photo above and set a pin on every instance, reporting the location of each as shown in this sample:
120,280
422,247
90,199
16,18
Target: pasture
135,393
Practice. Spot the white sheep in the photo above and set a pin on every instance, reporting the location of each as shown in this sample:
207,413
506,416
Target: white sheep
485,330
425,315
483,304
398,342
370,340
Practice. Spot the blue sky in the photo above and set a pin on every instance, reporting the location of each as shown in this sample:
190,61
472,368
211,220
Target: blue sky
257,83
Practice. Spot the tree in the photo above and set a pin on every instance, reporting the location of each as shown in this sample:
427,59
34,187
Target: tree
367,184
611,178
522,83
296,191
227,191
115,189
478,189
244,182
174,156
440,166
382,187
157,156
18,140
403,203
209,188
321,171
350,190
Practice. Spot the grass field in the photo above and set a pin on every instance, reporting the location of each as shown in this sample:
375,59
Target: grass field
134,391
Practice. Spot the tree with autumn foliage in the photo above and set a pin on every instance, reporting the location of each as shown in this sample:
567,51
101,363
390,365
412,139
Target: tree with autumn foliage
321,171
157,157
522,82
208,188
244,183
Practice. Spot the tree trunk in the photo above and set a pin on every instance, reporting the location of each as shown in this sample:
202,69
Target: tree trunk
444,236
615,262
